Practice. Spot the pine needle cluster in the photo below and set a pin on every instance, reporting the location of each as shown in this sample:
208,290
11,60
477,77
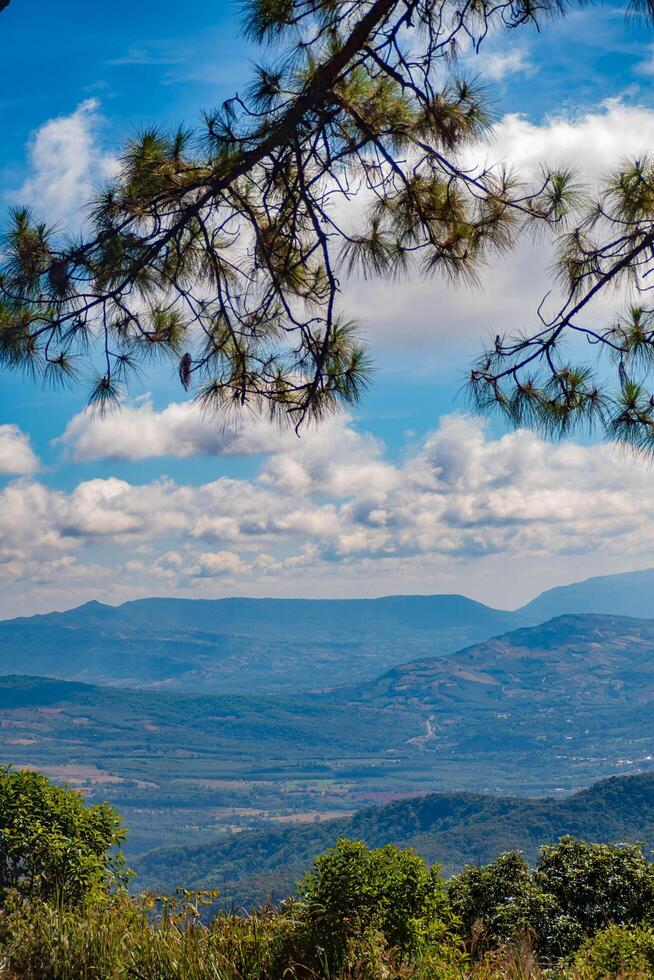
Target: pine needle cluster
530,379
223,248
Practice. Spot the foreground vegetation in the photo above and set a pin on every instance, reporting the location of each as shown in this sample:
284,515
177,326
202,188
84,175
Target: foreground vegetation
453,829
586,910
398,923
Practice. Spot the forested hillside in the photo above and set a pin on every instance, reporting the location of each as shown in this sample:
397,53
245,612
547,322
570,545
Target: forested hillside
452,829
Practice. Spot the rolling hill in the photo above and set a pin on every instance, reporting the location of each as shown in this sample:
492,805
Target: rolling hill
570,660
451,828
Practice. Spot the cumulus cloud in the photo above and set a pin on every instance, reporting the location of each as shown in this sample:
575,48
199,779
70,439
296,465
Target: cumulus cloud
66,163
16,454
138,431
182,429
592,142
213,564
334,512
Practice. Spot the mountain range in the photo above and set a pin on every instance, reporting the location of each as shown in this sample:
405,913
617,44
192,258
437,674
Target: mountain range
235,645
281,645
199,718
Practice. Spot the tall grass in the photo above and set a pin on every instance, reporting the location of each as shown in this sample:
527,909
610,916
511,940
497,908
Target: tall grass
120,940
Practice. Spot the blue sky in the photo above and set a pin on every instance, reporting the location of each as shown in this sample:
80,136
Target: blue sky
404,495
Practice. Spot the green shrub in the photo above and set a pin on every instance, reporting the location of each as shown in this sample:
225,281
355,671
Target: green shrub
576,889
52,846
354,890
619,951
597,884
500,902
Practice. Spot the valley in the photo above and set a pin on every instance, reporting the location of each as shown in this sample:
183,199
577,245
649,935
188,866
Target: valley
536,711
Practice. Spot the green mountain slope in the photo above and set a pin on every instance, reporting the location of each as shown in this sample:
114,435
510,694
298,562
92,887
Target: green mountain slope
577,688
575,660
452,828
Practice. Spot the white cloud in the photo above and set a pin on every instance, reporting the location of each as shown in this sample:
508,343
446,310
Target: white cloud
138,431
333,514
500,64
592,142
182,429
16,454
214,564
66,164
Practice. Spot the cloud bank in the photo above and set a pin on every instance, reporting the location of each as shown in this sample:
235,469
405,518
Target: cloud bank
332,511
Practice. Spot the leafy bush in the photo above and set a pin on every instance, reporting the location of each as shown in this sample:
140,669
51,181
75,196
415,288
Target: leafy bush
354,890
500,902
52,846
597,884
576,889
619,951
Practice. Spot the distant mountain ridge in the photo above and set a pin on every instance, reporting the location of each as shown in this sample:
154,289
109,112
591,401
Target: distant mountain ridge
282,645
233,645
450,828
626,594
423,611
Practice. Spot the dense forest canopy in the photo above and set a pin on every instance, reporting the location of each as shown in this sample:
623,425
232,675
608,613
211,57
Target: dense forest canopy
225,248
